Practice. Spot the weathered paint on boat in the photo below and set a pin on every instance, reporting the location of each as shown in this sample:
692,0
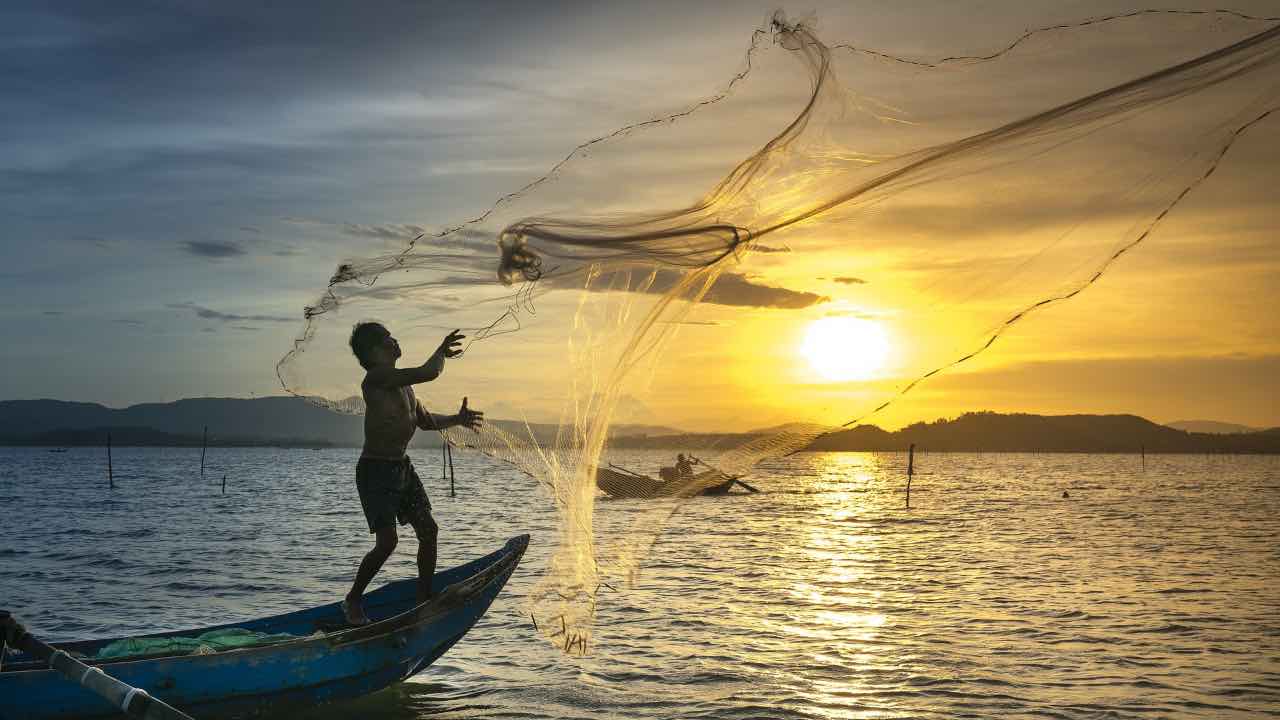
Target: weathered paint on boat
318,667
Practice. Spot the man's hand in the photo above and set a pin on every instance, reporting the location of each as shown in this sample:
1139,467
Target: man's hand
469,418
451,347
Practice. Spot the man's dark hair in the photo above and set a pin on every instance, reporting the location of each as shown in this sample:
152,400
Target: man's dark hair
364,337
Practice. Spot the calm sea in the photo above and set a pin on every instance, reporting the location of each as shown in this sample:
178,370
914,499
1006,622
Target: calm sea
1149,592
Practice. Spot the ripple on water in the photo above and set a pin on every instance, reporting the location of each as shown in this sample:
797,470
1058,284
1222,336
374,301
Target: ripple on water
1144,595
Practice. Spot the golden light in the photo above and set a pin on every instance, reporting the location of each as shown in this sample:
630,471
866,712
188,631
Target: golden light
845,348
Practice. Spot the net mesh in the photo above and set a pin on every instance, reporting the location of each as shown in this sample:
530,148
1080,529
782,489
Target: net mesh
942,200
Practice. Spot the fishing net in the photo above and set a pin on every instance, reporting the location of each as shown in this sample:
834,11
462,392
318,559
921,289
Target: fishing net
920,206
202,644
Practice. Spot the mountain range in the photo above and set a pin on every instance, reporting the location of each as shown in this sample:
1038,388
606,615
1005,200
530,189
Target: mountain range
291,421
996,432
1211,426
283,421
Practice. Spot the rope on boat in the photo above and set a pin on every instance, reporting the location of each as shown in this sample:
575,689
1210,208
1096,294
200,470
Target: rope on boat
128,697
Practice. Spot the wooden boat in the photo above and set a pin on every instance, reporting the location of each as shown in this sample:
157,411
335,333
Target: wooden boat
623,484
326,662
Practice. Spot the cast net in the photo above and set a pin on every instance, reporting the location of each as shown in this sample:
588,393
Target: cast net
666,270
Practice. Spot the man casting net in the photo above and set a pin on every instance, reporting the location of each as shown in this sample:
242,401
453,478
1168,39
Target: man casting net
918,206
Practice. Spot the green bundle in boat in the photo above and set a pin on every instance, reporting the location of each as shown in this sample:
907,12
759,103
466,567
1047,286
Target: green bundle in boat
203,644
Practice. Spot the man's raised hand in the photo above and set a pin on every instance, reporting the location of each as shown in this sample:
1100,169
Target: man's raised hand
468,417
452,345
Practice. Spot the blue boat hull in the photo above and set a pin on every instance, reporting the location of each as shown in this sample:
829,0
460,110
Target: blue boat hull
325,664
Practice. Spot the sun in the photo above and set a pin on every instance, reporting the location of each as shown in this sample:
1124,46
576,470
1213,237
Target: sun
845,348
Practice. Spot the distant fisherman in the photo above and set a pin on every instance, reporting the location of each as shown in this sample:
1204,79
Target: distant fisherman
684,468
389,488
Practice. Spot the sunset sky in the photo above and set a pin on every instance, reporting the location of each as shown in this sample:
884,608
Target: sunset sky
179,182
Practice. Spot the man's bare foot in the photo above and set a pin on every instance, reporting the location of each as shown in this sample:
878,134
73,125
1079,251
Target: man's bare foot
353,612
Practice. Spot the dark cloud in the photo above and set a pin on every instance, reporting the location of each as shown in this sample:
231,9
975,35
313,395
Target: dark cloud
213,249
53,312
732,289
135,323
849,280
208,314
736,289
756,247
151,54
245,327
470,239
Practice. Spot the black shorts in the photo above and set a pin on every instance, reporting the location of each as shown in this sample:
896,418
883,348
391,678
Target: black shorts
391,491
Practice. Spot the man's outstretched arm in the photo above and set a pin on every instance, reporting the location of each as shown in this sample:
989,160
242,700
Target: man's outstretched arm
426,372
466,417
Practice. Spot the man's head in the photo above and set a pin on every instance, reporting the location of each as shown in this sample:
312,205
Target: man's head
373,345
680,457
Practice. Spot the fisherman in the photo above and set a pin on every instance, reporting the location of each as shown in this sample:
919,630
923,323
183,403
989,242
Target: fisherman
684,468
390,490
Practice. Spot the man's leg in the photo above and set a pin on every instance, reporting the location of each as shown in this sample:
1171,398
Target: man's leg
427,532
369,567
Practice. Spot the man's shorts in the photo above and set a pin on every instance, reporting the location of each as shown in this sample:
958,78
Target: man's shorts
391,491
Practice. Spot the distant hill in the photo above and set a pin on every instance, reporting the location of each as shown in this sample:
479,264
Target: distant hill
290,421
624,429
279,420
1211,426
287,421
995,432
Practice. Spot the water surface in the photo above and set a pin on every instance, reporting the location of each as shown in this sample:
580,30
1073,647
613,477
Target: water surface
1148,592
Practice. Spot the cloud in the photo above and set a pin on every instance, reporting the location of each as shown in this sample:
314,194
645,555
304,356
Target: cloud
53,312
96,241
135,323
731,289
739,290
849,280
208,314
213,249
383,232
755,247
466,238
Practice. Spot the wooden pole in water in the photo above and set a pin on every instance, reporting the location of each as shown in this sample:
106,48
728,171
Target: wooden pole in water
204,444
911,470
1144,457
111,481
224,484
448,449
